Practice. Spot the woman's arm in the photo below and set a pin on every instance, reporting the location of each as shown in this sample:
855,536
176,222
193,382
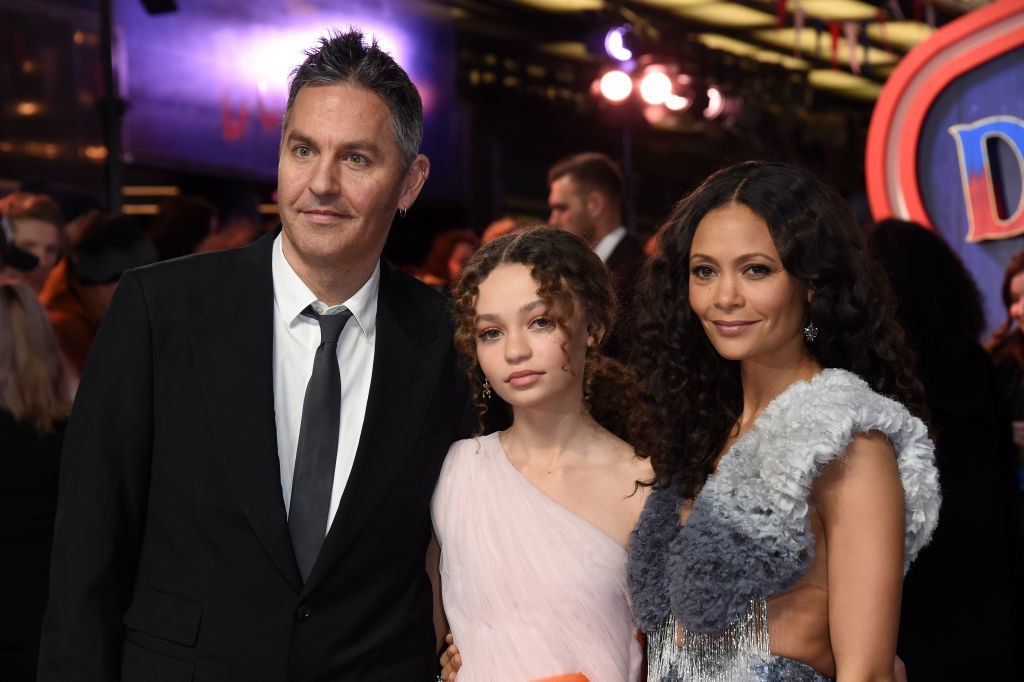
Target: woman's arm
860,499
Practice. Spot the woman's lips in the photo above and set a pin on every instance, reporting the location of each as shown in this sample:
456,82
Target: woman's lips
732,328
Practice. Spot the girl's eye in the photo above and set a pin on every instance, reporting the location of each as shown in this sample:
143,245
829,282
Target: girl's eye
541,323
703,272
488,334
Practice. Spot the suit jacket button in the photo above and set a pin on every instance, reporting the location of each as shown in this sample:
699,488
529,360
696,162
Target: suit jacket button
301,614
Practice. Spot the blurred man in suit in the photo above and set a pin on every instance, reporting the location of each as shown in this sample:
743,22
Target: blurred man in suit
585,197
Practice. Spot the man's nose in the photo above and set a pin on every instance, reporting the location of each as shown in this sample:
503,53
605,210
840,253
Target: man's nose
326,178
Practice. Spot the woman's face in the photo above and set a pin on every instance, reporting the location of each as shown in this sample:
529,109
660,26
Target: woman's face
1017,299
751,308
525,354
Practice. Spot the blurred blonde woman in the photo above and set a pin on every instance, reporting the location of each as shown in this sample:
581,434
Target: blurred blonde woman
34,406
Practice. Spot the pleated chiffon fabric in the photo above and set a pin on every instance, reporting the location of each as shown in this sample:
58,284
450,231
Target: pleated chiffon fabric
531,589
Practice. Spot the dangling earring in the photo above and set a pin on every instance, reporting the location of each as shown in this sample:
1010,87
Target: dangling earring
810,332
487,393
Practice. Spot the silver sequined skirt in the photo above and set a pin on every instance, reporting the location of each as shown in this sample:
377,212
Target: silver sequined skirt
741,654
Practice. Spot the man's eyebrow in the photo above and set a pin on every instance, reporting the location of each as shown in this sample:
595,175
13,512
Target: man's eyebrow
299,136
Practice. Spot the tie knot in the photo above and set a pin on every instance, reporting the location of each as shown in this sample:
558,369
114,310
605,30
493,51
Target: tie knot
330,325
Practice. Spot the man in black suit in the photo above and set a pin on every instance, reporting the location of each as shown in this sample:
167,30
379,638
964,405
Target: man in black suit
585,198
247,474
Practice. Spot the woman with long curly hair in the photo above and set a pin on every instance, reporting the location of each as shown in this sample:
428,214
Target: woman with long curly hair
533,520
794,483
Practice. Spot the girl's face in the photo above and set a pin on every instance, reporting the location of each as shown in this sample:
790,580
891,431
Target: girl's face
751,308
1017,299
528,358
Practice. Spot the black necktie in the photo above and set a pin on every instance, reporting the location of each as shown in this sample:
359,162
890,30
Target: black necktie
317,450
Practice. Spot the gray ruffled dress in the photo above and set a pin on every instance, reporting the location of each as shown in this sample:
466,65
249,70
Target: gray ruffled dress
700,590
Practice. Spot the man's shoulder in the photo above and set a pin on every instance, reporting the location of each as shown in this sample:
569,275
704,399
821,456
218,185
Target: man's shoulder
422,299
206,272
630,247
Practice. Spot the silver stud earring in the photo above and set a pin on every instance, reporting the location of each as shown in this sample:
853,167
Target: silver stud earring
810,332
402,212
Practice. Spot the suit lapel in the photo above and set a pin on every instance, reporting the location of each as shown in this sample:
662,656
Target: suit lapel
407,360
232,336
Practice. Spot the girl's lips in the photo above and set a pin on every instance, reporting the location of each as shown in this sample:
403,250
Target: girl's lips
523,379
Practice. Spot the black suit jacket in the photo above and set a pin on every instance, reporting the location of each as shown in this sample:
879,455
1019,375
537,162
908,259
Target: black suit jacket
28,501
172,558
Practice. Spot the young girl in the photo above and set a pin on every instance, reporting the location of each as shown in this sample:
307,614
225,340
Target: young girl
794,485
533,521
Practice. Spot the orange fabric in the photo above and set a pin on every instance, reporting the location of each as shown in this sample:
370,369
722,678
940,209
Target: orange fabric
73,322
571,677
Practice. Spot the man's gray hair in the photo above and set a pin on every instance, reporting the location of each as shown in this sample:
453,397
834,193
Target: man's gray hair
346,58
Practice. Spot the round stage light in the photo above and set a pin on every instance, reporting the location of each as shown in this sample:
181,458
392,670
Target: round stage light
614,44
716,103
655,87
616,85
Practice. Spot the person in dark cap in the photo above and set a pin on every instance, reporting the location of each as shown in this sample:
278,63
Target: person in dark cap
79,290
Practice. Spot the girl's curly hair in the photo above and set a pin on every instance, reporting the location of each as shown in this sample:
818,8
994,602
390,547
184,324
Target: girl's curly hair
694,394
568,274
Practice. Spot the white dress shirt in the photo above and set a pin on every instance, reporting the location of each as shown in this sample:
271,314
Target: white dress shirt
606,246
296,338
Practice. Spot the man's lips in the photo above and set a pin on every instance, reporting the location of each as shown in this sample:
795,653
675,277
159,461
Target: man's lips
323,214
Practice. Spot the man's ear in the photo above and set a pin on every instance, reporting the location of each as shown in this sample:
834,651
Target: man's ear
412,183
595,203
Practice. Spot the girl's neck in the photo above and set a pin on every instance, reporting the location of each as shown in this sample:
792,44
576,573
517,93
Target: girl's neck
538,434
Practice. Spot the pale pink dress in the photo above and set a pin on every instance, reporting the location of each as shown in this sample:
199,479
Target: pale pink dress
531,589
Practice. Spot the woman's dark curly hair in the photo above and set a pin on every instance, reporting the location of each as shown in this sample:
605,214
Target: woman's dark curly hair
695,395
1007,344
938,303
568,273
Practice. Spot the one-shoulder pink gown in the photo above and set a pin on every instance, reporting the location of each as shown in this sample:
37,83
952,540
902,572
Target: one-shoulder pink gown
531,589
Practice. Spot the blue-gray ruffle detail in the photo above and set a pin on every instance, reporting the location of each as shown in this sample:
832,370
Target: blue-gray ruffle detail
749,532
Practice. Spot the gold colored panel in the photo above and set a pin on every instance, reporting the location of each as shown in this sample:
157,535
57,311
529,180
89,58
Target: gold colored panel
744,49
563,5
844,83
567,50
725,14
902,35
838,10
809,41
